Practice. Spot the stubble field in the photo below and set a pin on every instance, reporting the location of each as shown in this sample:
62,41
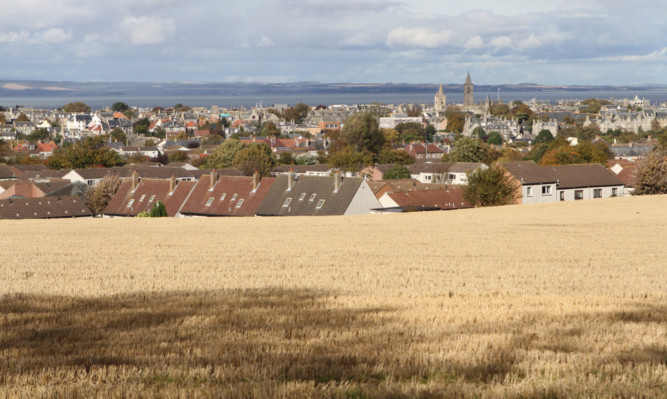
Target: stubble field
557,300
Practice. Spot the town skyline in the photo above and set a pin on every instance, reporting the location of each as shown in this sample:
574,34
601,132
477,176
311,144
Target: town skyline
560,43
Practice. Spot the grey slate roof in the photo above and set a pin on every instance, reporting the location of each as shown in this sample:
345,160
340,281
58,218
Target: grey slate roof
322,187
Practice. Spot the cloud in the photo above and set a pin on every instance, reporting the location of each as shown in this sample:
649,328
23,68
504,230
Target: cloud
148,31
359,40
529,42
501,42
55,35
265,42
418,37
14,37
474,42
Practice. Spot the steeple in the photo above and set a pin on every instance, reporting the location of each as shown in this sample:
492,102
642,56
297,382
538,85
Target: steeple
440,91
440,101
468,80
468,88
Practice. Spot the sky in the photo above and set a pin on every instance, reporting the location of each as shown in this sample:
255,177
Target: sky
551,42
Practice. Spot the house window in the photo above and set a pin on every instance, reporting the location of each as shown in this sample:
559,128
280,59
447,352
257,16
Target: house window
142,197
91,182
452,176
302,196
319,204
562,195
130,202
546,190
238,204
312,197
209,202
614,192
233,197
597,193
286,203
578,194
222,197
529,191
151,198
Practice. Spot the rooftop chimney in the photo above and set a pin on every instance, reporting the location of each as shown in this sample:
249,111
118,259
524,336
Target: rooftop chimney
172,184
135,180
290,177
337,181
214,177
255,181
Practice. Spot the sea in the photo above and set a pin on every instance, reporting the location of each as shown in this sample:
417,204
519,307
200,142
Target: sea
655,96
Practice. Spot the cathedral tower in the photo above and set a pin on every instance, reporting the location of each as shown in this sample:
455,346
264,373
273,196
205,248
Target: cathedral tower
468,89
440,101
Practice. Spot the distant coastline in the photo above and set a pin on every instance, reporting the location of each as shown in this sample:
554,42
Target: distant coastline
49,94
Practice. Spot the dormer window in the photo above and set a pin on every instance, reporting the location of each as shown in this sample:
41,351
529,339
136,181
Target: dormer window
286,203
234,197
142,197
222,197
312,197
238,204
152,198
303,195
210,201
319,204
130,202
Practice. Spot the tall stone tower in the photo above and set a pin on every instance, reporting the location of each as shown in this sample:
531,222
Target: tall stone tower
468,89
440,101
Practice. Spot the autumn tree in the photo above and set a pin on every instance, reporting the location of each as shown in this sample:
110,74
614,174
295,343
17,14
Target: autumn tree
362,131
387,155
544,136
38,134
489,187
455,119
270,129
97,198
118,135
651,174
410,131
494,138
76,107
22,118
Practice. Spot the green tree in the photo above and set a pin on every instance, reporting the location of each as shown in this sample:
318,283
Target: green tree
97,198
651,174
141,127
119,135
468,149
350,160
285,158
255,157
181,108
76,107
494,138
544,136
480,133
410,131
489,187
429,133
456,119
223,155
158,210
397,172
120,106
39,134
90,151
362,131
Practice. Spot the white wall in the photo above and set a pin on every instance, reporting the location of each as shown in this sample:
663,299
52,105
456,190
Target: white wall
363,201
537,197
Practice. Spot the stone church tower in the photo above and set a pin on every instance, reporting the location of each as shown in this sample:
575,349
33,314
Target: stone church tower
440,101
468,92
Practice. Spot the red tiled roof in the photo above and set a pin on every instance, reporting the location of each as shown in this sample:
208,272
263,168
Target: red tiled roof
451,198
227,192
148,191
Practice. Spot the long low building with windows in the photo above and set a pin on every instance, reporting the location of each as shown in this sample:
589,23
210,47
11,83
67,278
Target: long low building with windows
540,184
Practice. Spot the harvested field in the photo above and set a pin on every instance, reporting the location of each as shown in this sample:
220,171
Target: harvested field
553,300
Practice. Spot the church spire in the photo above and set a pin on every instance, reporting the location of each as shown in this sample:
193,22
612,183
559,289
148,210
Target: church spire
468,80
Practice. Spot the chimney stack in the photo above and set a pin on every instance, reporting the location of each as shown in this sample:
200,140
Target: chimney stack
290,177
172,183
255,181
337,181
214,177
135,180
